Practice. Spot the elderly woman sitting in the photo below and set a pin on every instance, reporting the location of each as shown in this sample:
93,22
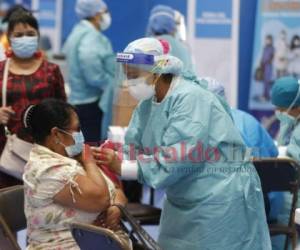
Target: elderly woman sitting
63,184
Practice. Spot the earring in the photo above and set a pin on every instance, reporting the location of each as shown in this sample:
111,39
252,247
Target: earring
38,54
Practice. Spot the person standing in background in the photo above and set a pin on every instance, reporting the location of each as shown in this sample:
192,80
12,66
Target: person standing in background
31,78
91,64
162,24
267,66
281,54
294,57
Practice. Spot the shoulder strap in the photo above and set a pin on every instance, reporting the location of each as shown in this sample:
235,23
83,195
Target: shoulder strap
4,83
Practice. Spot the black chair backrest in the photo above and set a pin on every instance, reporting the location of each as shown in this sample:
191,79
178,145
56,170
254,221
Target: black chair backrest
277,174
89,237
12,208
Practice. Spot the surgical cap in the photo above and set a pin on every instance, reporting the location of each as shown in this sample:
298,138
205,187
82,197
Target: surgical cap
284,92
162,20
215,86
164,63
89,8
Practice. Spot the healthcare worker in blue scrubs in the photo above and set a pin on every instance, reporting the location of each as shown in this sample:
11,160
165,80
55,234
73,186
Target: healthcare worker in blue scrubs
182,139
91,66
285,95
164,24
253,133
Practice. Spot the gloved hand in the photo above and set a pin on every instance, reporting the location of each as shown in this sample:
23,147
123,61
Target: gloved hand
107,159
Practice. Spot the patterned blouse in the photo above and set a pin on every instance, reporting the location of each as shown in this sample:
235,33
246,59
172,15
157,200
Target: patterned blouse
47,222
23,90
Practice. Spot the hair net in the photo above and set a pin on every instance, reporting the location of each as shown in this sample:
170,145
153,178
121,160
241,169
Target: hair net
162,20
163,62
215,86
89,8
285,92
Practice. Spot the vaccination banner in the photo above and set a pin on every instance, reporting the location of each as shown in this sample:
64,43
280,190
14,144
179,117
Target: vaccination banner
213,36
276,50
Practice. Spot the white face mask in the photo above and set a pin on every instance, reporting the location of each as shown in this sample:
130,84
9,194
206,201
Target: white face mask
105,21
139,89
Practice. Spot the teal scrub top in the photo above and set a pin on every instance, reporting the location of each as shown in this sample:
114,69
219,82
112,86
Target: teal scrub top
91,65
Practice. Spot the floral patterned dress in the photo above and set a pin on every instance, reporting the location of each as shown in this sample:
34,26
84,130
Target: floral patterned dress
46,174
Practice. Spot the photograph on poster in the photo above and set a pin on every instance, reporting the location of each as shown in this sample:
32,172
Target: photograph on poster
276,49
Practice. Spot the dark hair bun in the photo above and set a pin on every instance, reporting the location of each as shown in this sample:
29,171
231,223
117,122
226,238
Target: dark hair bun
38,120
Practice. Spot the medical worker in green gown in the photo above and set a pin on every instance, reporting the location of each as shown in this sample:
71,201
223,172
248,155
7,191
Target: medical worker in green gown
182,138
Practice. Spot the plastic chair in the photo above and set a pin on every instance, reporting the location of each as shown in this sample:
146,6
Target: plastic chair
12,217
281,174
89,237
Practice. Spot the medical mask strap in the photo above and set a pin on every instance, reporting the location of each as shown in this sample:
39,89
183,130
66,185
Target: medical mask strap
295,100
154,83
161,62
65,132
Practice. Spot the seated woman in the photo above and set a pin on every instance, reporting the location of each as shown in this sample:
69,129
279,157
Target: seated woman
63,184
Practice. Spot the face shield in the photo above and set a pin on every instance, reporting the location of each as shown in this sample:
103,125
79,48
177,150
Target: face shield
180,26
135,73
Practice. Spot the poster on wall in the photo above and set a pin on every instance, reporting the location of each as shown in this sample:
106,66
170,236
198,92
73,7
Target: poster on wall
49,15
276,49
276,53
213,36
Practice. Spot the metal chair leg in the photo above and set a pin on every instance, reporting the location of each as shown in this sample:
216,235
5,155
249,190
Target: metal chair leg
294,240
286,244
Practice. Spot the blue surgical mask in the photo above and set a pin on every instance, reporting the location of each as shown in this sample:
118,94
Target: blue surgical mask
287,122
25,46
77,147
